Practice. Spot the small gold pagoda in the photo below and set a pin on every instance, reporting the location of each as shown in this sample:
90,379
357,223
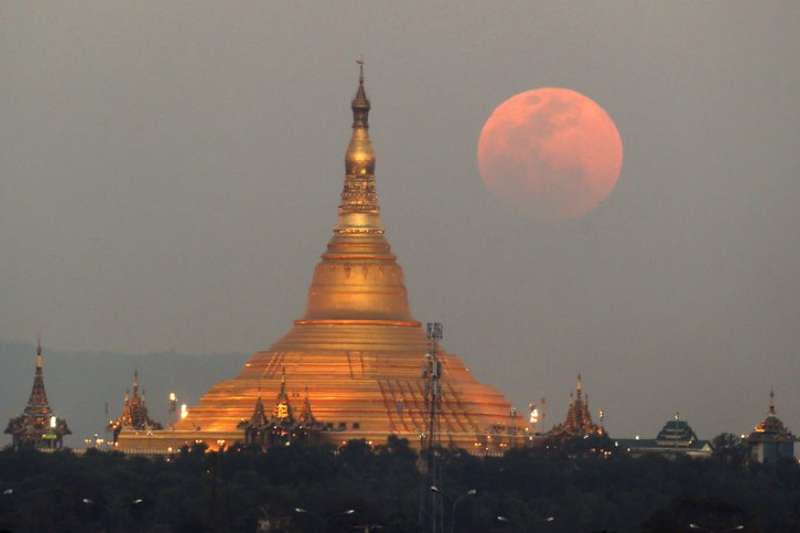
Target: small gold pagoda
578,422
771,441
357,350
134,415
283,427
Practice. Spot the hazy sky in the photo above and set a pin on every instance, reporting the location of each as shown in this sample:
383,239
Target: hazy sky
170,171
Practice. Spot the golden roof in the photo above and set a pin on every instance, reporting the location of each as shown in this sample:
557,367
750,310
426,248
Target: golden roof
771,426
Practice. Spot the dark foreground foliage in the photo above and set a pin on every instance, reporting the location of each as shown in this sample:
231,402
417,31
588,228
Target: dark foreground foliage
241,489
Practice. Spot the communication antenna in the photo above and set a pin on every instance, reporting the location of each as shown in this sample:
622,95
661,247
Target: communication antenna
431,512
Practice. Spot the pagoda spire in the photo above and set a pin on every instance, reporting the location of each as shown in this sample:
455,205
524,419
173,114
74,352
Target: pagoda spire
283,408
359,196
259,417
38,405
37,426
772,402
358,277
39,356
307,415
282,396
360,104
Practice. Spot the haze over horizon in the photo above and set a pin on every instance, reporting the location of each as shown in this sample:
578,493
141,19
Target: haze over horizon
170,175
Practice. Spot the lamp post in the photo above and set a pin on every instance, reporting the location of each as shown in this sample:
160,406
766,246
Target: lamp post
323,519
137,508
436,490
506,520
710,530
469,493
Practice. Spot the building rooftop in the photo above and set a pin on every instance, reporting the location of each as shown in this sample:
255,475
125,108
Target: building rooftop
771,428
676,435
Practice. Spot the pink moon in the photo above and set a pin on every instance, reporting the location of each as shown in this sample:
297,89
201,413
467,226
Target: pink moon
551,153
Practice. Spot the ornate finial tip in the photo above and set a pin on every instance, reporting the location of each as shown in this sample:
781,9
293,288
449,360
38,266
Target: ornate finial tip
360,101
39,357
360,62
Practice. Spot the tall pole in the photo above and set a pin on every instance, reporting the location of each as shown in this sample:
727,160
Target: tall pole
173,408
431,505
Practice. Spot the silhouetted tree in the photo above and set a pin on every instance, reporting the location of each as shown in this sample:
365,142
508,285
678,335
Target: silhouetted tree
233,490
730,449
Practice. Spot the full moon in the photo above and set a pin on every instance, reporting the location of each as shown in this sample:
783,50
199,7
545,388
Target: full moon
552,153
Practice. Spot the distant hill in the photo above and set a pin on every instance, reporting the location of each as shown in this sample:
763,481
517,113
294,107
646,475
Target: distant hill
80,383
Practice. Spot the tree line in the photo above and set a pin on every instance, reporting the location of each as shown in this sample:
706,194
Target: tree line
321,488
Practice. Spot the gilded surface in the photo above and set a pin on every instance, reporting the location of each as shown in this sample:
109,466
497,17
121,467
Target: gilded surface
357,349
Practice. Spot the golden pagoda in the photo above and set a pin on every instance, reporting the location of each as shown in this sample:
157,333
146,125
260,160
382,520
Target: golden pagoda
134,413
578,422
357,350
771,441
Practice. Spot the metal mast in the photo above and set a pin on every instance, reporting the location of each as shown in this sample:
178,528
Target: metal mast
431,513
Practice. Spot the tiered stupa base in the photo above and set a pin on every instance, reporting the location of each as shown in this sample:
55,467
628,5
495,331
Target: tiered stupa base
363,381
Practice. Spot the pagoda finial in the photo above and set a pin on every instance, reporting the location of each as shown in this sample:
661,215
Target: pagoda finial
39,356
772,401
135,382
360,104
307,415
359,195
258,413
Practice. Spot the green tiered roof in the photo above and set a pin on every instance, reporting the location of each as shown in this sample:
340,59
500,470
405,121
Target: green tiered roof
676,437
676,432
